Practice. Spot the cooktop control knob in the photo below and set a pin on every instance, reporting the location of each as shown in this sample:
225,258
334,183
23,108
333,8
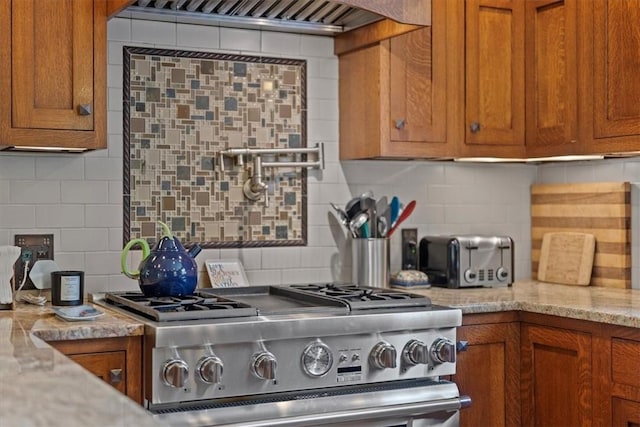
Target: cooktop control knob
470,276
264,366
502,274
443,350
416,352
383,356
175,373
209,369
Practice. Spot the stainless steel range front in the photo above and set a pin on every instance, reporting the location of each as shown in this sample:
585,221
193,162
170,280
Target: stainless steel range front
301,355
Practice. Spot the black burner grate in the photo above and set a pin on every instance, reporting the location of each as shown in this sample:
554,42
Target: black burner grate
190,307
365,297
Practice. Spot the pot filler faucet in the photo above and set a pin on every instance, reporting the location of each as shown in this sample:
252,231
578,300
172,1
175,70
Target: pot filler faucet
254,187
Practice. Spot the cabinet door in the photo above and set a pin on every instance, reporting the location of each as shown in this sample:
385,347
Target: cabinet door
489,373
494,72
616,62
117,361
417,86
110,367
551,76
626,413
52,64
556,376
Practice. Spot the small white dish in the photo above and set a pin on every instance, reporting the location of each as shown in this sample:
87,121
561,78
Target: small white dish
78,312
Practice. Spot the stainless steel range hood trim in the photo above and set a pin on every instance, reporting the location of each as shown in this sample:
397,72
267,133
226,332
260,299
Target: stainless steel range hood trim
247,22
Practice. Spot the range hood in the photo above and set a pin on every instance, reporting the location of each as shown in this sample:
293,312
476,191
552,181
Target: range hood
299,16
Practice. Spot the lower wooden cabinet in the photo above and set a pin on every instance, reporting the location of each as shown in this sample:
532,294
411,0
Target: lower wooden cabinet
117,361
532,369
489,370
556,376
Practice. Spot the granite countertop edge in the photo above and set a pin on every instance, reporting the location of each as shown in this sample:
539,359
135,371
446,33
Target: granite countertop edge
613,306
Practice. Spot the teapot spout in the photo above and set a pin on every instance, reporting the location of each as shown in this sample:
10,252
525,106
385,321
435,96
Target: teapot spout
194,250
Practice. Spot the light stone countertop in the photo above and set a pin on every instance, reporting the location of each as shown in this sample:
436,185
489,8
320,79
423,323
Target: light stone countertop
605,305
41,387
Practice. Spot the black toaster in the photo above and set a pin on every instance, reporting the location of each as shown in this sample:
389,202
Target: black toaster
467,261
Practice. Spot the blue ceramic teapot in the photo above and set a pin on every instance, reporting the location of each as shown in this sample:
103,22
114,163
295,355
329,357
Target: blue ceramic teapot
168,270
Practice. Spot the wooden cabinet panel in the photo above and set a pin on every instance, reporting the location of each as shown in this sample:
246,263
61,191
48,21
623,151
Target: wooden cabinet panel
556,376
625,361
494,72
417,88
392,94
117,361
616,86
110,367
52,64
551,76
488,372
625,413
53,67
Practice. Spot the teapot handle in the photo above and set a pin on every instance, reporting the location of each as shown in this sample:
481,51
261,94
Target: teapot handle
135,274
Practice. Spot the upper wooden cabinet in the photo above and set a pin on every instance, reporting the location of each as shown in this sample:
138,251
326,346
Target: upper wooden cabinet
53,65
611,86
494,73
551,46
393,93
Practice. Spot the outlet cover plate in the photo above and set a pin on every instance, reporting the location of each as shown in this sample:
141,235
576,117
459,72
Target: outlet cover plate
35,247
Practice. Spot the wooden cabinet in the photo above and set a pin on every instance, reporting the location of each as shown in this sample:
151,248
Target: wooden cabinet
625,413
494,74
117,361
551,46
53,73
393,92
489,370
610,83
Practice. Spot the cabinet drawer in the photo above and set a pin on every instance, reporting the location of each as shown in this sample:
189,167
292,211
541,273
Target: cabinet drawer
625,359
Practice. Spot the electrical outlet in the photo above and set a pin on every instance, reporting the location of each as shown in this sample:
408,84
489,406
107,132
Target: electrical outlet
409,248
34,247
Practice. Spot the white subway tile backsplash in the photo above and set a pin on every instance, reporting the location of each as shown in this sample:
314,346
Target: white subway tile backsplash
321,88
114,99
34,192
17,167
198,36
103,262
316,257
60,167
264,277
321,46
4,192
156,32
84,239
323,67
103,169
103,215
114,122
119,29
115,192
69,260
240,40
114,76
59,216
116,242
280,258
284,43
17,216
306,275
85,192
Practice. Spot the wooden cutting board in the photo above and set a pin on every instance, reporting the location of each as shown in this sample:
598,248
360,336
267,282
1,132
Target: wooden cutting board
602,209
566,258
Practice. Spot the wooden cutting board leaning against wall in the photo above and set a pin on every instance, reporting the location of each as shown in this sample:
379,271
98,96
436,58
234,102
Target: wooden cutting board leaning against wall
601,209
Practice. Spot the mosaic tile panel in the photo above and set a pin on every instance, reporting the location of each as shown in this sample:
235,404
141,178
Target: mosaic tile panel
182,108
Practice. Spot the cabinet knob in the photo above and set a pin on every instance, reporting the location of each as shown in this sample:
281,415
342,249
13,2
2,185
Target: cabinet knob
115,376
400,124
474,127
84,109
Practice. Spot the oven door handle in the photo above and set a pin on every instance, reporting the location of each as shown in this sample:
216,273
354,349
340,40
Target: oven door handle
395,411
